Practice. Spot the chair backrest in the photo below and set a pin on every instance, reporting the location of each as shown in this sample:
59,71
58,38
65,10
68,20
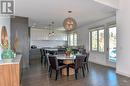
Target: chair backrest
75,51
53,61
43,52
79,61
52,52
86,57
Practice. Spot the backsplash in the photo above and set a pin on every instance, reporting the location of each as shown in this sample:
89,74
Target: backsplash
48,43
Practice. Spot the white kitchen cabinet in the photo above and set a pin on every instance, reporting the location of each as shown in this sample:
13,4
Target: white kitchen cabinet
43,34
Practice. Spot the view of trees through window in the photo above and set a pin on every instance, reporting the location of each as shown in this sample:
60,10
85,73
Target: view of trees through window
101,40
94,40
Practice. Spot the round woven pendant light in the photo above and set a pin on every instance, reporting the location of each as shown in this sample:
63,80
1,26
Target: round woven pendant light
69,23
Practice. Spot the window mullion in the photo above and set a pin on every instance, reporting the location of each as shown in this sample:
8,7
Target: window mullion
91,40
97,40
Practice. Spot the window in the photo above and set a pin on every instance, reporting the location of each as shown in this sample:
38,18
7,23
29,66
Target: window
112,43
94,40
97,39
75,39
72,39
101,40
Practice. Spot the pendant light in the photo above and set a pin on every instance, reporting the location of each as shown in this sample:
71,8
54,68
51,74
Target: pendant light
53,33
49,34
69,23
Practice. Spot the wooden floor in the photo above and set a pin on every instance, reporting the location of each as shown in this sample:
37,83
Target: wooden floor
37,75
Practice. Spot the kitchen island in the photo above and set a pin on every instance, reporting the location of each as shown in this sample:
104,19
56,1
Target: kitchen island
10,72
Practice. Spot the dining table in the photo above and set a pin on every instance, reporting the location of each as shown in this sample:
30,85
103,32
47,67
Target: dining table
67,60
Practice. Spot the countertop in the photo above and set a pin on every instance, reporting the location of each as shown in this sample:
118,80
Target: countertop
16,60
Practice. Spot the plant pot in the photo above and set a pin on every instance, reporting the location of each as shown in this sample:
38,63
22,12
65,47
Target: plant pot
7,60
7,54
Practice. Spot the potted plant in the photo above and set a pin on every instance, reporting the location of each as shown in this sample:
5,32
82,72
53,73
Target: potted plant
68,51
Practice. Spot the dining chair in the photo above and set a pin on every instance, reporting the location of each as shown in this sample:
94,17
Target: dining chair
77,65
55,66
75,51
42,55
85,63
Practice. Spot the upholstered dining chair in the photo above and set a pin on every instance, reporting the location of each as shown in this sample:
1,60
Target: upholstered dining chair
55,66
78,64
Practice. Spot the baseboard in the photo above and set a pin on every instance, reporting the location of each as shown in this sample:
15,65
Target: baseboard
123,74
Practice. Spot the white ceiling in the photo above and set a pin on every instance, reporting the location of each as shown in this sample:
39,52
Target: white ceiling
43,12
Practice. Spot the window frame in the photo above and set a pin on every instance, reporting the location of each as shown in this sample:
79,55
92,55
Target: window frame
90,38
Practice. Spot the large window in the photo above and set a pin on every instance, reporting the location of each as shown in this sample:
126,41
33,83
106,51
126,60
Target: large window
72,39
97,39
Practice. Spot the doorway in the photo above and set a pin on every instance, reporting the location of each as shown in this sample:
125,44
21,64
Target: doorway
112,43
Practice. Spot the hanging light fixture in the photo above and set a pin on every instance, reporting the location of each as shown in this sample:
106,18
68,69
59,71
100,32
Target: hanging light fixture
53,33
49,34
51,29
69,23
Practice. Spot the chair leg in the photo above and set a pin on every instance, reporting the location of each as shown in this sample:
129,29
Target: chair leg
50,72
84,65
45,60
56,74
67,71
41,59
83,71
87,67
76,74
61,73
49,68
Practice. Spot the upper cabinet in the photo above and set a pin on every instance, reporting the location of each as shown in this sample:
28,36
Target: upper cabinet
43,34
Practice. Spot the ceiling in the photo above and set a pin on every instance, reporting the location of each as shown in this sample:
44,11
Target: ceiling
42,12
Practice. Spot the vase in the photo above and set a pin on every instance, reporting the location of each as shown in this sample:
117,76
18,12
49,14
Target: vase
7,60
67,53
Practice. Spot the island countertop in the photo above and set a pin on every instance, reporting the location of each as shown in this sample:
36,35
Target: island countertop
15,60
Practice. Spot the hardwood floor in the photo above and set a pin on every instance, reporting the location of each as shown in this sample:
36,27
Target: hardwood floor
37,75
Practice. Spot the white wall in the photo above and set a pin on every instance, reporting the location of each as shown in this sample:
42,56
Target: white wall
83,39
111,3
4,22
123,40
